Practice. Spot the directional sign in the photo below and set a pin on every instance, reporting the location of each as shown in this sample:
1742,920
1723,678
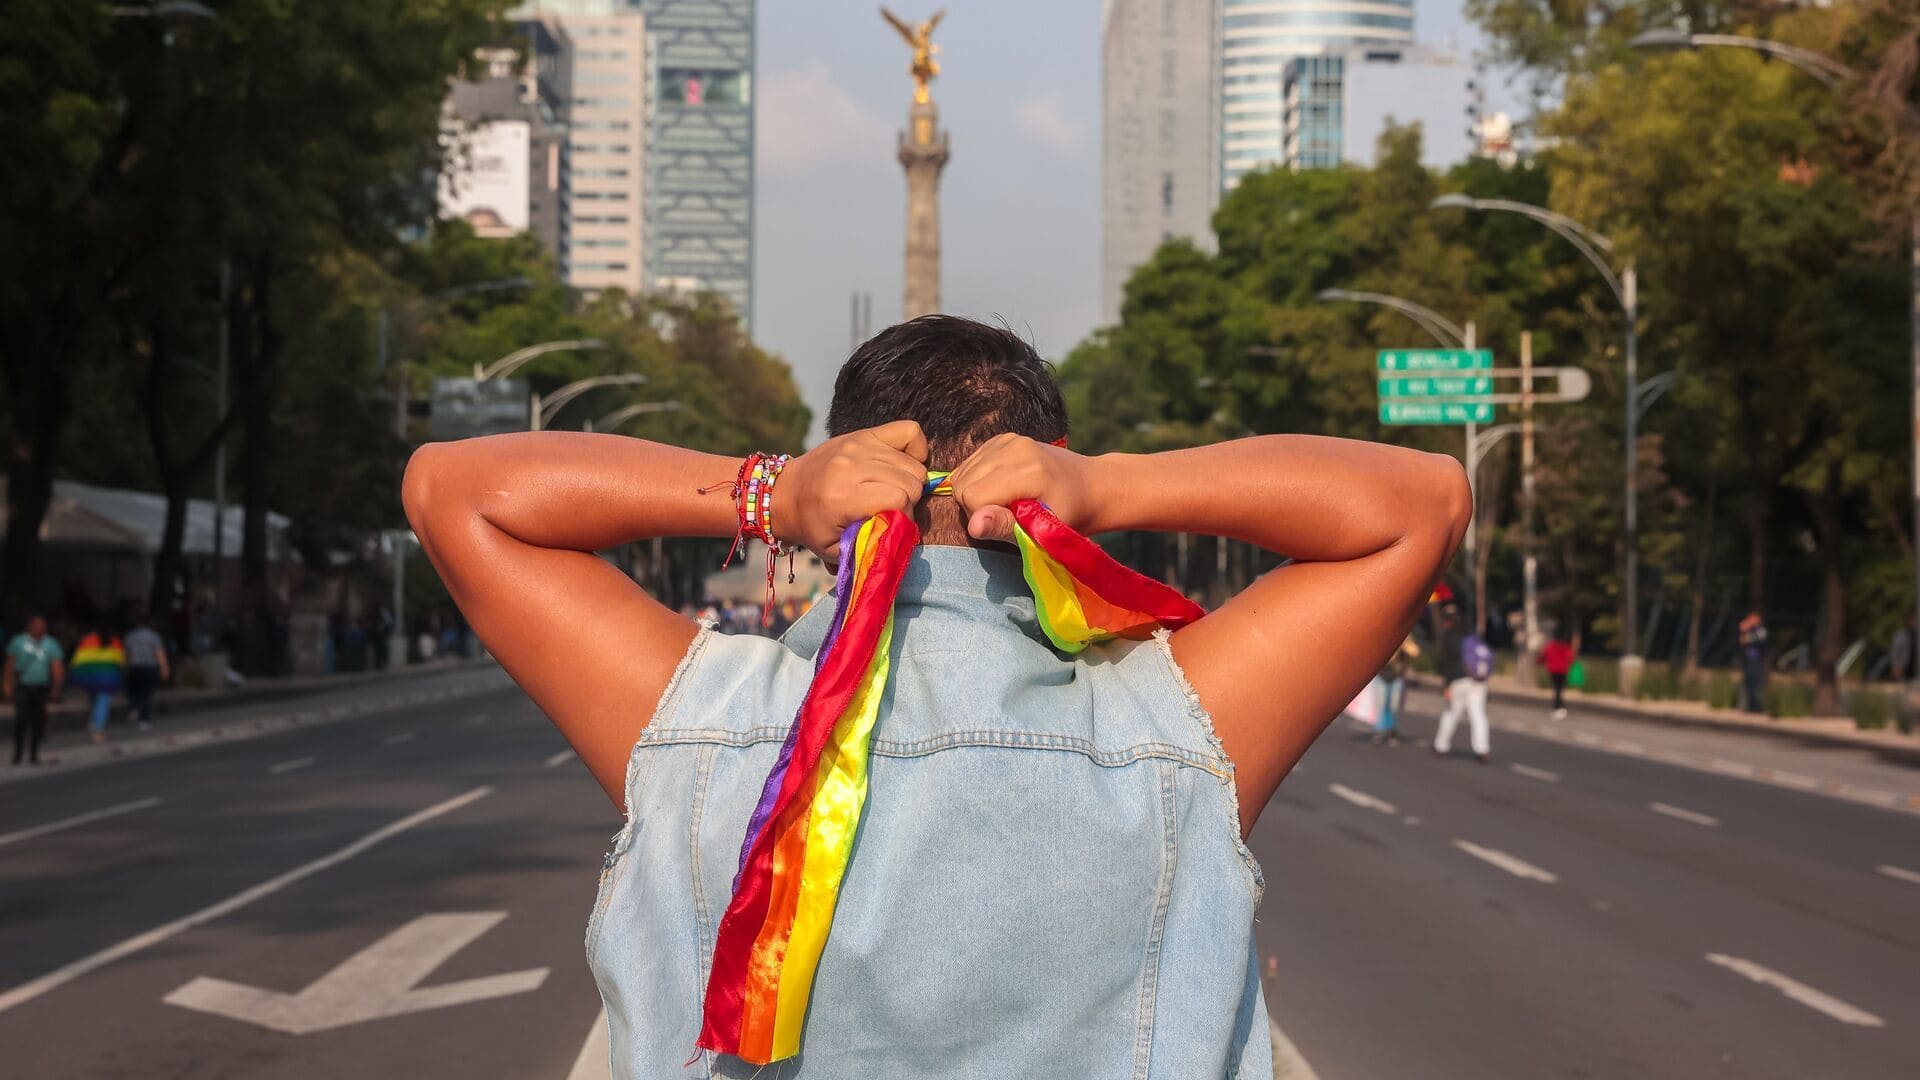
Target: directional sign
1469,386
380,980
1433,359
1423,412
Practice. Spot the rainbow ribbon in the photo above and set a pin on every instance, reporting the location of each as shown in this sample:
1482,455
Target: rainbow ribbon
800,837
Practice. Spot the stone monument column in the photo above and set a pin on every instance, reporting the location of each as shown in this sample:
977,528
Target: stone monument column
923,153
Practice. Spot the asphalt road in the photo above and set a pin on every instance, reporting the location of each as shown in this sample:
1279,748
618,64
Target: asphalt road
403,892
1566,912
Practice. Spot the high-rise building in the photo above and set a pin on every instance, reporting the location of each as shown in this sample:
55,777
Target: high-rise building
506,131
1338,103
605,212
1159,170
1258,38
700,148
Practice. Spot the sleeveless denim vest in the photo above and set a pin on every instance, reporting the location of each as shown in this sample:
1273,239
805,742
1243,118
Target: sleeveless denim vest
1048,881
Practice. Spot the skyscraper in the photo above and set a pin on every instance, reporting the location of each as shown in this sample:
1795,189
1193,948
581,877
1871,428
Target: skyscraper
506,132
1159,132
700,148
1257,40
1339,103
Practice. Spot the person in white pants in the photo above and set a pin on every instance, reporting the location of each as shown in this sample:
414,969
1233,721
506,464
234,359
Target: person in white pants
1467,695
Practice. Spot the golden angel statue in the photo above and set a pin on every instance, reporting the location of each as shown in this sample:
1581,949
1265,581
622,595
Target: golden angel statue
924,67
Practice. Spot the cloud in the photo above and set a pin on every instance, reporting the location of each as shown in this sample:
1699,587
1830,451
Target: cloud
807,120
1044,120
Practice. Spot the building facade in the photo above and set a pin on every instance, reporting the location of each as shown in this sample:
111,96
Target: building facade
700,148
507,137
1339,103
1160,167
1259,39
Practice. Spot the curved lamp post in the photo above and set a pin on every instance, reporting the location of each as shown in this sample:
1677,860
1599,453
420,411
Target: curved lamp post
1441,328
620,416
541,411
513,361
1625,287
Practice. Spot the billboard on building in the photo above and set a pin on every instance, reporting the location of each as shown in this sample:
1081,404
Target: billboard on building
488,176
695,87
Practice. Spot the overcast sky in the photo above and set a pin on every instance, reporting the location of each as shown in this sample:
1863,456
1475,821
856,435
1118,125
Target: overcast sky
1020,201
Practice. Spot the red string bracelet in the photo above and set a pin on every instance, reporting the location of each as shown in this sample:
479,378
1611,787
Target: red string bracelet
752,490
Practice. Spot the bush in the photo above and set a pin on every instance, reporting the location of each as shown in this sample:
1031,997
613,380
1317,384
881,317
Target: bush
1789,699
1872,710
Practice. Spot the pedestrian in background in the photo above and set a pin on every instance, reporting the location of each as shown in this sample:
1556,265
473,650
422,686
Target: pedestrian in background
1466,663
1753,660
99,667
35,672
1393,691
1900,652
147,667
1557,659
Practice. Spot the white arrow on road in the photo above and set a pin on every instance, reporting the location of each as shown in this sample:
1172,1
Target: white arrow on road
377,982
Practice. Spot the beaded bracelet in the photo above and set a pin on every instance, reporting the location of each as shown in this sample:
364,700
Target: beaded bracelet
752,490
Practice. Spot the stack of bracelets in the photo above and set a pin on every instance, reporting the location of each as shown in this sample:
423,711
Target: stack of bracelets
753,501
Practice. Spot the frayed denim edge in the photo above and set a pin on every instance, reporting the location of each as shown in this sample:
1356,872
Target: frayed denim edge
1204,721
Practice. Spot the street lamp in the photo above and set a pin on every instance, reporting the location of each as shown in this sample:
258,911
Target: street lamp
1625,287
541,411
622,415
1439,326
513,361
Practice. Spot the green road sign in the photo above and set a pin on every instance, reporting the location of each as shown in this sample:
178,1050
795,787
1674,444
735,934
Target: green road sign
1425,412
1468,386
1434,359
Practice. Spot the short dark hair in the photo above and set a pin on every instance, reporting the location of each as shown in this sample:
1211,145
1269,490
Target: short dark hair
963,381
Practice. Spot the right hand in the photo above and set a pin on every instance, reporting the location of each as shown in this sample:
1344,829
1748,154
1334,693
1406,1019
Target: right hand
847,479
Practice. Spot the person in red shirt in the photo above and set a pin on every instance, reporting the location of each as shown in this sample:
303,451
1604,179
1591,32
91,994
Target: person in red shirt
1557,657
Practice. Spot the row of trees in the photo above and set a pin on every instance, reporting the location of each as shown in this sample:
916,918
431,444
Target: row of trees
1767,219
257,177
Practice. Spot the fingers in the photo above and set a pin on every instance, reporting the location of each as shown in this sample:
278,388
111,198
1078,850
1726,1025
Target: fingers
904,436
991,523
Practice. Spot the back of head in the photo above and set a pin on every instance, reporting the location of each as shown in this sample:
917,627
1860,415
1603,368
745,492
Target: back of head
962,381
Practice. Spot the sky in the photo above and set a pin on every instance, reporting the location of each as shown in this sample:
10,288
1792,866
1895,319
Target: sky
1019,91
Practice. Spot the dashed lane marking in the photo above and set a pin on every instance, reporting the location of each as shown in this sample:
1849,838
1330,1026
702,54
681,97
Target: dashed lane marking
1795,990
59,977
1693,816
1898,872
1362,799
1537,774
82,819
560,758
1512,864
398,738
594,1060
289,766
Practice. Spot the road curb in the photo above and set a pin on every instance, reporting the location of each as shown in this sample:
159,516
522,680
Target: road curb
1882,746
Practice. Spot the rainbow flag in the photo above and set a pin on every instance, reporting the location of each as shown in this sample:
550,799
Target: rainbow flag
800,836
97,664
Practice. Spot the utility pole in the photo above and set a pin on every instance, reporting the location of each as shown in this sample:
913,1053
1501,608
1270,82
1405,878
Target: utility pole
1473,481
220,448
1530,564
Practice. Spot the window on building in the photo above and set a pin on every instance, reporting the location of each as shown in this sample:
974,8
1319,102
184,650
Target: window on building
605,266
603,174
603,103
599,242
602,148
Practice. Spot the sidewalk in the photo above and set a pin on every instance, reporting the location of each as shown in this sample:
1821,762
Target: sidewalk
187,718
1826,731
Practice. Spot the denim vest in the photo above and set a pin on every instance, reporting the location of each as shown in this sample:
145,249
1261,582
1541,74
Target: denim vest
1048,881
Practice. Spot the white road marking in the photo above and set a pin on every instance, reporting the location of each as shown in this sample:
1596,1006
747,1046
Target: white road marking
397,739
1891,871
1362,799
595,1061
379,981
1288,1062
560,758
289,766
78,819
1410,819
1518,867
1797,991
1693,816
1537,774
59,977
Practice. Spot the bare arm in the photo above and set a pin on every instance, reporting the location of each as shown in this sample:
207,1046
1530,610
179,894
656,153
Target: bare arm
59,679
1370,526
511,523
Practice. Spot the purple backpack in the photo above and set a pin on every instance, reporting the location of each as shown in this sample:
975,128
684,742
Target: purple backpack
1476,656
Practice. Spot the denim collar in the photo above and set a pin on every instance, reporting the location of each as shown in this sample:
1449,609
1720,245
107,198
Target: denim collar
969,584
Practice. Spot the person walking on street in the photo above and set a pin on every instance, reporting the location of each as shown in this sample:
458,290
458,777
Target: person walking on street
1753,661
99,668
147,667
1393,692
1557,658
1466,663
35,672
1900,652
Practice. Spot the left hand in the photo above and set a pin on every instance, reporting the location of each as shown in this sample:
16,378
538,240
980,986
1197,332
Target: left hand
1008,468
